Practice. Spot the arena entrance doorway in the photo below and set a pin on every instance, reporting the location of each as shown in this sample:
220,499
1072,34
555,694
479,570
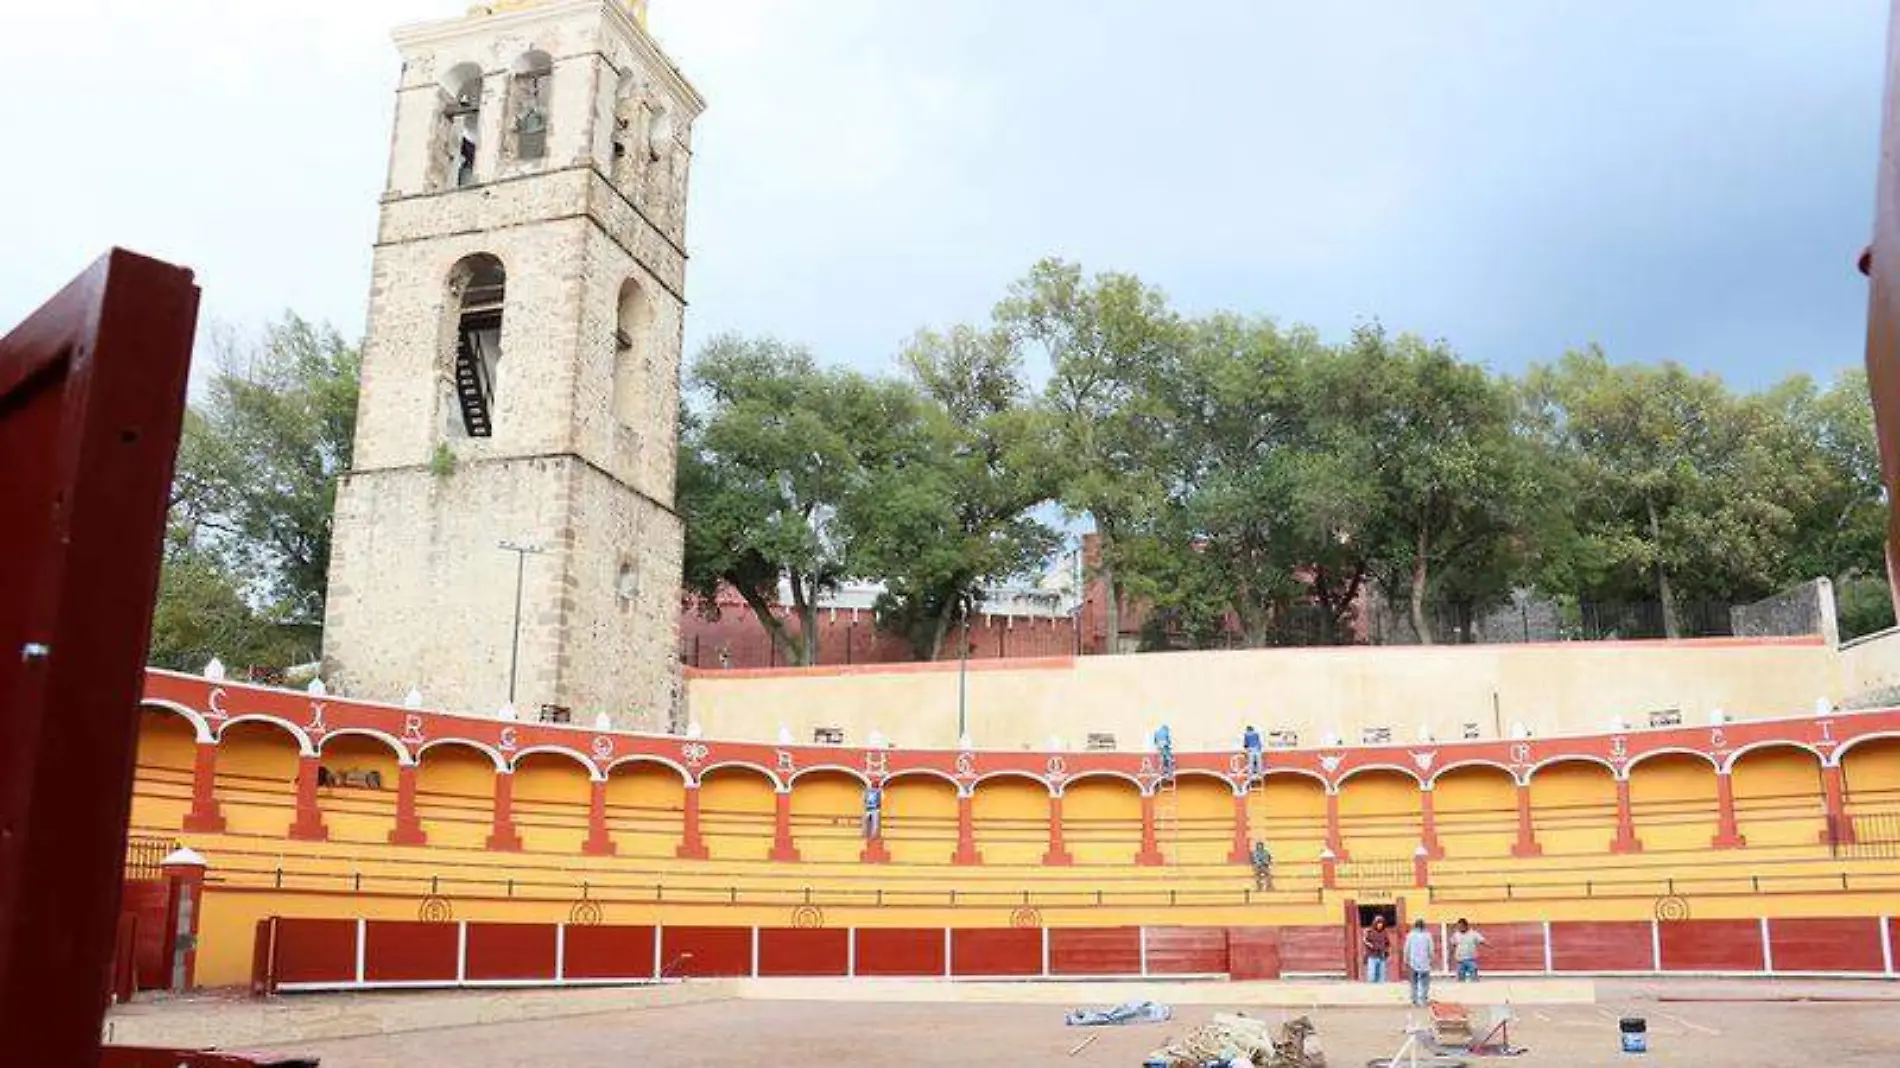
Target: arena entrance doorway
1359,917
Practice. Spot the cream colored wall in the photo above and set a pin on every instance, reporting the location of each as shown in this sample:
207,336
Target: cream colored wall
1561,688
1871,664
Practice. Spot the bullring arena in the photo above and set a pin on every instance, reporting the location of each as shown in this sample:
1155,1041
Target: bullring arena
352,846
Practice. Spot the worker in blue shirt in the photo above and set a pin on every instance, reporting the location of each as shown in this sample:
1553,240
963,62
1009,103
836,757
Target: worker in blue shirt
1164,744
1256,759
873,809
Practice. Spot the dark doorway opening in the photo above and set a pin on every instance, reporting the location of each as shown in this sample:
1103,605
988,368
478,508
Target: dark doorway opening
1368,913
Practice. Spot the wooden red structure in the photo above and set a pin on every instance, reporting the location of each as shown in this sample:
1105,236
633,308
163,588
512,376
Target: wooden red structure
92,395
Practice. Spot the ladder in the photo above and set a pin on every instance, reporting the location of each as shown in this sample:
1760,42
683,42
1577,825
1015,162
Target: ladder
1257,820
1168,818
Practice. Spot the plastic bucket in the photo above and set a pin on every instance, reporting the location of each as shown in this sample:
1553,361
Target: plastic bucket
1635,1031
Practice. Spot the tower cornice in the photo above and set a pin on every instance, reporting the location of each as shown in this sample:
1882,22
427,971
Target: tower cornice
437,31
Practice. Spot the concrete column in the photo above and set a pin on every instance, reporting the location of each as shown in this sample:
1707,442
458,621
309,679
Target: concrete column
308,826
205,816
1150,854
1526,844
184,873
503,837
1428,824
782,847
1242,852
1839,829
1421,867
966,831
692,846
1328,869
1057,856
1727,834
408,829
1626,840
599,843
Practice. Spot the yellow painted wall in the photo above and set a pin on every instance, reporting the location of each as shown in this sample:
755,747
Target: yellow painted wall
644,806
257,778
1778,797
455,796
1379,815
1012,820
1573,808
1101,821
920,819
1872,778
1289,812
1556,688
167,749
1672,802
1475,809
828,816
1204,831
551,797
736,813
358,813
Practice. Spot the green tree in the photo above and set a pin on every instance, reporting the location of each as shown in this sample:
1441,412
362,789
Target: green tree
1104,339
249,547
955,517
775,455
1680,491
1454,482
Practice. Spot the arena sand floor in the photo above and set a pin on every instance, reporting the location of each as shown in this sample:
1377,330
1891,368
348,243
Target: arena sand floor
1691,1022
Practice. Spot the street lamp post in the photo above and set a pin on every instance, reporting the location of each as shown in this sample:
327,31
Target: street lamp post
963,677
522,551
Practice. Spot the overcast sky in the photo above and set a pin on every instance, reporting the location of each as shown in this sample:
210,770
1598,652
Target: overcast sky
1681,180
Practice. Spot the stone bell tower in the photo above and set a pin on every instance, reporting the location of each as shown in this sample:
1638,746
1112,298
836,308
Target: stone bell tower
521,374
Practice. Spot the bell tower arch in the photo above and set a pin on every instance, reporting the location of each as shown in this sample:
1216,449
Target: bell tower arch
521,373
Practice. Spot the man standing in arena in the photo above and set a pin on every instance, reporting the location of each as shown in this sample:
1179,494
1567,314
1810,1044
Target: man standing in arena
1256,759
1164,745
1418,958
1378,946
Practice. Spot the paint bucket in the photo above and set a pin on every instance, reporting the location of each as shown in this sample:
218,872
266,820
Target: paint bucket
1635,1034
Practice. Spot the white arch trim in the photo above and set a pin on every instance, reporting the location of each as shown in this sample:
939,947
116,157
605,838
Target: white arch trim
199,728
1012,774
1102,773
1572,758
1402,770
647,758
1459,764
1842,749
923,773
841,769
593,771
746,764
403,757
1304,773
501,764
1677,750
1729,764
303,740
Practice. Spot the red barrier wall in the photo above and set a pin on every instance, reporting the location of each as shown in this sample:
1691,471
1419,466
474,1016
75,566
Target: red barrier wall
801,951
996,951
1253,953
1313,950
146,899
1508,947
1711,945
1187,950
319,951
404,950
608,953
899,951
1825,945
715,951
1095,951
1608,946
510,951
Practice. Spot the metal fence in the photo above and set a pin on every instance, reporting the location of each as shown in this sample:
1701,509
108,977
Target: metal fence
145,857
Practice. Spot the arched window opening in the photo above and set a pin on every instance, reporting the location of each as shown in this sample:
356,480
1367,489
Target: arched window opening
528,104
461,123
632,353
478,284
